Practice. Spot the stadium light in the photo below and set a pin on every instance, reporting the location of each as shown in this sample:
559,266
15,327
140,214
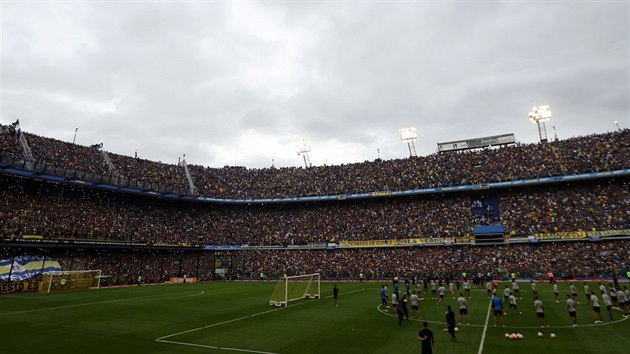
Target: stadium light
304,150
539,115
408,136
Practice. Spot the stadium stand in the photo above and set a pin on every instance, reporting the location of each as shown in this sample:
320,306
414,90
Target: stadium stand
602,152
130,235
63,212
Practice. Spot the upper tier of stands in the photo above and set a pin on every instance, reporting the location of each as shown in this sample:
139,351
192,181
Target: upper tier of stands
594,153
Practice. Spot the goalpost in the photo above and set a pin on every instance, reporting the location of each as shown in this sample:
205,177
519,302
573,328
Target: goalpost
295,288
72,279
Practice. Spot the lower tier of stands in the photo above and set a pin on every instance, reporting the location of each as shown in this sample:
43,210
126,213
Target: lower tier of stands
567,260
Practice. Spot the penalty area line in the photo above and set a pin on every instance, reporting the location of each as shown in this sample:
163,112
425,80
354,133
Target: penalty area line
214,347
163,339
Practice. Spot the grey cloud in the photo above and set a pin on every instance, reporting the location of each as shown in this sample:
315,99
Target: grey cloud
173,78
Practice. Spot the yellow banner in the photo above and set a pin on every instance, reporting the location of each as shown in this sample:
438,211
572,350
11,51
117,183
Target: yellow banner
564,235
20,286
605,233
33,237
393,243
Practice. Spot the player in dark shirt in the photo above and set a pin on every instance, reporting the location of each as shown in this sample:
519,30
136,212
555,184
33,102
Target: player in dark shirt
400,314
450,321
335,293
403,305
425,336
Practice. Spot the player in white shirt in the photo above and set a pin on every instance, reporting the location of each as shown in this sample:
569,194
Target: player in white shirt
467,288
489,288
596,309
608,304
463,309
623,302
516,289
506,294
414,304
556,292
587,292
540,311
573,290
571,308
534,288
613,296
441,291
512,305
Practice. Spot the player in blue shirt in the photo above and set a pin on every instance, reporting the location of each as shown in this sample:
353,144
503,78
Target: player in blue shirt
384,297
497,308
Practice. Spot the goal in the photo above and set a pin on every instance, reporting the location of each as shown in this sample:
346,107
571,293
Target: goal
295,288
73,279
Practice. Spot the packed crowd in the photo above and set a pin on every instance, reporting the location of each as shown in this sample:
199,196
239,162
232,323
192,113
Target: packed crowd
602,152
567,260
566,157
55,211
124,266
564,259
597,207
90,159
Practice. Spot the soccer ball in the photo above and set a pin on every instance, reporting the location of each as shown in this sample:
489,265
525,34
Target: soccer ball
552,335
540,334
456,329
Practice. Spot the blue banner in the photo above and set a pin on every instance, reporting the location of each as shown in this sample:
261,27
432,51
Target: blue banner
26,267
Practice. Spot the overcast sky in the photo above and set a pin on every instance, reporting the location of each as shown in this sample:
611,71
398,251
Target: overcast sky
243,83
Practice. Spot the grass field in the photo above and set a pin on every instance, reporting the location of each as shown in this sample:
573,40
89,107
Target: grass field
234,317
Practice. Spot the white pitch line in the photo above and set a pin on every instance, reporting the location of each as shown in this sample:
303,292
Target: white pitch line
228,321
94,303
215,347
262,313
246,350
485,328
161,339
188,344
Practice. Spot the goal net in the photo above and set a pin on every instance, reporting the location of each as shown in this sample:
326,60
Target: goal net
73,279
295,288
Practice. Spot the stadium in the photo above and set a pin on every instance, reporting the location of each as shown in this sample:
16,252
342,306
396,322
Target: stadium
306,177
85,232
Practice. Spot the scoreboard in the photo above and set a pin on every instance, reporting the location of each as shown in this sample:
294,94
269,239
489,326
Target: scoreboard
477,143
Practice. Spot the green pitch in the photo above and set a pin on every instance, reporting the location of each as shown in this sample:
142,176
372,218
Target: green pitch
234,317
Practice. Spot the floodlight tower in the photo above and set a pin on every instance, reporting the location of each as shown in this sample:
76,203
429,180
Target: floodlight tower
408,135
304,150
539,115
